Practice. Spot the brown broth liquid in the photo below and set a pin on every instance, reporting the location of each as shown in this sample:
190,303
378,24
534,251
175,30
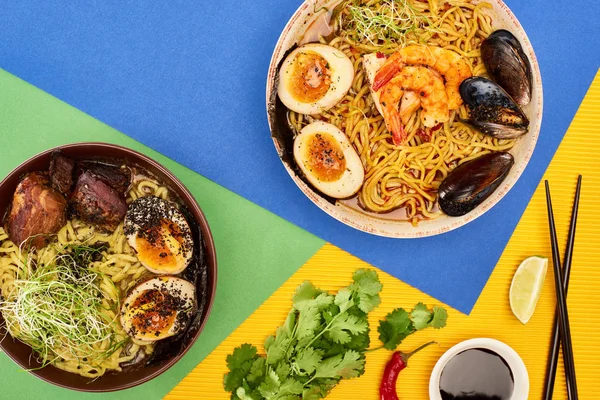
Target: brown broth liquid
476,374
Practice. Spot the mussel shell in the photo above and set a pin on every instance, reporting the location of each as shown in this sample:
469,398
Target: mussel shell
508,65
498,131
492,110
469,184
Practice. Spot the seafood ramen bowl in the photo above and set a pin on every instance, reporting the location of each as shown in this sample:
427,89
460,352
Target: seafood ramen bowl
404,119
107,267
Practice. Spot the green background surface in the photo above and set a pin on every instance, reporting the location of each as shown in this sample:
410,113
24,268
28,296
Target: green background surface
257,251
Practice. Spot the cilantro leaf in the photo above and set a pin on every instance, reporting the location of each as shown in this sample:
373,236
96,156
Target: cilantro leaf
234,379
367,282
270,386
290,322
359,342
268,342
420,316
348,366
321,301
304,293
328,347
308,361
291,386
257,371
368,303
341,327
241,356
309,320
312,393
343,300
394,328
330,312
283,370
242,395
278,347
366,287
239,363
440,315
309,296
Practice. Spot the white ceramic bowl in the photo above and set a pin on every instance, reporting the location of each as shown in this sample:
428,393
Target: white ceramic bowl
392,224
514,361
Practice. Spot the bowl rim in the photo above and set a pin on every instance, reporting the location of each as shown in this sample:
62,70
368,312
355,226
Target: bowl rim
209,247
515,363
369,222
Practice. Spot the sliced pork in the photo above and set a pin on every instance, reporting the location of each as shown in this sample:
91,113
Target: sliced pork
117,178
37,211
95,201
61,173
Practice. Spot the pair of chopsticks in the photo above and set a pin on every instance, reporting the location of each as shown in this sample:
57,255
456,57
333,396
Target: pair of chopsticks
562,330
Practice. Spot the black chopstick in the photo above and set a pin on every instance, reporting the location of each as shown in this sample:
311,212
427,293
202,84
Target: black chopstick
553,356
563,316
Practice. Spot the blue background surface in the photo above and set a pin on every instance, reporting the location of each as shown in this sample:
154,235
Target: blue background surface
188,79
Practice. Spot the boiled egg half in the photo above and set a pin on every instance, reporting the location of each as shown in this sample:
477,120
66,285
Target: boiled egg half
158,308
159,234
328,160
314,77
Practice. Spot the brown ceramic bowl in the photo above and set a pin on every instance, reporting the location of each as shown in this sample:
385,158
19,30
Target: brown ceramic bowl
206,286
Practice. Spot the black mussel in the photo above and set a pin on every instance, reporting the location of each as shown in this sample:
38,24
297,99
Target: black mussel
492,110
508,65
469,184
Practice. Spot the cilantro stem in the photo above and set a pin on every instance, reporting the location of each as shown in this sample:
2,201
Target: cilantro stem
375,348
324,330
310,380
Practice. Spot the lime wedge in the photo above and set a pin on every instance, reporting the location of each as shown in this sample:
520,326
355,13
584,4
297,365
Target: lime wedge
526,287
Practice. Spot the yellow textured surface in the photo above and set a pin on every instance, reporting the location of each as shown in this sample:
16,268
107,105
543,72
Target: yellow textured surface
331,268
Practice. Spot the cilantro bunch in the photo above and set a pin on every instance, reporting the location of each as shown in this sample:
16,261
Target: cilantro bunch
323,340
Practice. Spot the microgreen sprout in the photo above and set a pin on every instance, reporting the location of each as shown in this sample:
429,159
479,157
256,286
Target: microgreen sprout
389,23
57,308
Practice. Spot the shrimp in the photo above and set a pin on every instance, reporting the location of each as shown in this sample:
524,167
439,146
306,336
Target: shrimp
450,64
419,86
410,103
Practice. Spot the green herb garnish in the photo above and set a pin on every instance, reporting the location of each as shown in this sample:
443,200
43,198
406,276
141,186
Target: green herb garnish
322,341
57,308
388,23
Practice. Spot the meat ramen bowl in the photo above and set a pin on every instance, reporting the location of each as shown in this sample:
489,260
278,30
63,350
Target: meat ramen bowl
201,274
316,18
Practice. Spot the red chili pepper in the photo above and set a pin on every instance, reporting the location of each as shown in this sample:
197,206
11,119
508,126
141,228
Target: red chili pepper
424,135
399,361
380,55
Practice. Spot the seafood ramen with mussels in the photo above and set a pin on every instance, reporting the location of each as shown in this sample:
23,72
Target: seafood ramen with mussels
98,266
402,105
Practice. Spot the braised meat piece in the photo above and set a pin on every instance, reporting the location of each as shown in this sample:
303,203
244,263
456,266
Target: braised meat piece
36,209
95,201
61,173
114,177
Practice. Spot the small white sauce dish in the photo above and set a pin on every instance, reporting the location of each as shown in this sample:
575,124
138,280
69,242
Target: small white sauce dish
514,361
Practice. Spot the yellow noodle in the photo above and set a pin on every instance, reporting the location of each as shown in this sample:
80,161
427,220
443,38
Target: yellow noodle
409,175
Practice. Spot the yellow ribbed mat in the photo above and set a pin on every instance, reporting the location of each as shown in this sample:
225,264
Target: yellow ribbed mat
331,268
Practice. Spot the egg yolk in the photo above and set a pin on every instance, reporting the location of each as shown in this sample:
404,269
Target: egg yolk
324,157
310,77
156,311
160,245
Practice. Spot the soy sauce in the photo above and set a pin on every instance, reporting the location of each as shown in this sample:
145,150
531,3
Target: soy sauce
476,374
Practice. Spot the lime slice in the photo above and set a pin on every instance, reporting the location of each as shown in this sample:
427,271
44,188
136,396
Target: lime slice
526,287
